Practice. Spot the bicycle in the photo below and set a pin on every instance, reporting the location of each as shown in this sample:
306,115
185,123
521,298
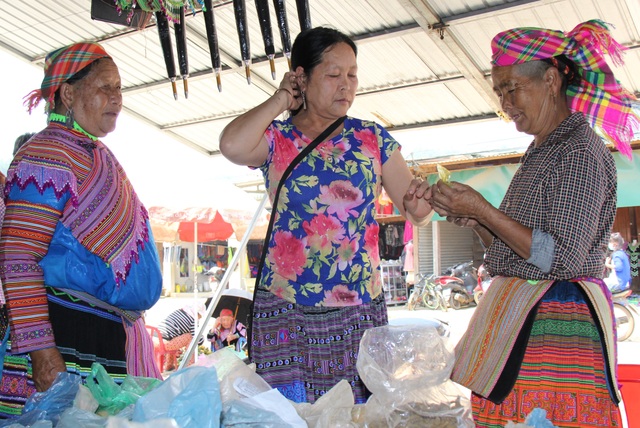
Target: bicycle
426,292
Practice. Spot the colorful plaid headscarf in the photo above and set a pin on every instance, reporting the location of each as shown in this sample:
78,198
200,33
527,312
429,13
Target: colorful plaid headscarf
597,94
59,66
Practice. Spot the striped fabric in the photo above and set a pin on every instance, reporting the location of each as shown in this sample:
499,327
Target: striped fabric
59,66
598,95
176,324
483,351
105,215
304,351
563,370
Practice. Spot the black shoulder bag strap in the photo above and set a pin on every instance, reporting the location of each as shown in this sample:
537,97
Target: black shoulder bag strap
265,246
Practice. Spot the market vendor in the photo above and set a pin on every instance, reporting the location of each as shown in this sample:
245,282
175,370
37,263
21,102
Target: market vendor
227,331
542,336
77,257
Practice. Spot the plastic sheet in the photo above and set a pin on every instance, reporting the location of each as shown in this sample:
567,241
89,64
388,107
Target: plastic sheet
407,369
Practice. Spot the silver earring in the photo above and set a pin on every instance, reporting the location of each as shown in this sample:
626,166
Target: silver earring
304,100
68,118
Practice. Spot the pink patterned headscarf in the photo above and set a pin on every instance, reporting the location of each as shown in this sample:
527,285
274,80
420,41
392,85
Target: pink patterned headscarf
597,94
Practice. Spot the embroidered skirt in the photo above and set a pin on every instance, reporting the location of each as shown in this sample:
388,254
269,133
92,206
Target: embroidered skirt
84,334
304,351
563,369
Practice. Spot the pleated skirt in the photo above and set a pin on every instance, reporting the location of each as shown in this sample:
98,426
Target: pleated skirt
84,334
563,370
304,351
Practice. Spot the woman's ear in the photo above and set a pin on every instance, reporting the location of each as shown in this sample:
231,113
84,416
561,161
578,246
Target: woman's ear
553,80
66,95
301,78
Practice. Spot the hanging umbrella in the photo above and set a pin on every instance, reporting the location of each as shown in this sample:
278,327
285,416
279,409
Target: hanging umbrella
181,45
303,14
262,7
212,39
283,26
243,35
167,49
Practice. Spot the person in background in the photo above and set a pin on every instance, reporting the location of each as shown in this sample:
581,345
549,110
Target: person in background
619,265
178,329
77,257
227,331
21,140
542,336
320,287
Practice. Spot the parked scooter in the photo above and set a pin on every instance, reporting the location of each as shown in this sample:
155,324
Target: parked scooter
624,315
458,284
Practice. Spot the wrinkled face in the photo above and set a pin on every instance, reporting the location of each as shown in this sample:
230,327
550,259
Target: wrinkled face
97,99
226,322
525,100
331,87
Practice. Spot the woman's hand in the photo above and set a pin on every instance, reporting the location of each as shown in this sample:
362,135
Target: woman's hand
290,89
458,201
47,363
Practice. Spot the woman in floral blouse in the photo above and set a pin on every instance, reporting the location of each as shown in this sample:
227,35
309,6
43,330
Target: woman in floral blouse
320,287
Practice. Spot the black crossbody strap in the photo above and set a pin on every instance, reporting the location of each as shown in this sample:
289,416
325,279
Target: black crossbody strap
265,246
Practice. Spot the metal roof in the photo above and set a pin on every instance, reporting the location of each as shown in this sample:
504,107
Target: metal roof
421,62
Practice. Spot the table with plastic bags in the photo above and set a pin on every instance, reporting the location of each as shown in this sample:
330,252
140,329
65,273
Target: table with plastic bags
405,367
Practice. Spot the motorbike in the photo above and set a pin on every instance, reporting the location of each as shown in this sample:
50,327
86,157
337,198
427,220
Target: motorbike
484,281
624,315
457,284
426,292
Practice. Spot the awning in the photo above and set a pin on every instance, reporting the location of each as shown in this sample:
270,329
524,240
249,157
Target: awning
492,181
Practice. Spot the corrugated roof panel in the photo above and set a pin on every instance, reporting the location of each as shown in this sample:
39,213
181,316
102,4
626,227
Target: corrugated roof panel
408,76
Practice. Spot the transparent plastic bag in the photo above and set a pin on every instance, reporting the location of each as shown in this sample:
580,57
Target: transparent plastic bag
407,369
190,396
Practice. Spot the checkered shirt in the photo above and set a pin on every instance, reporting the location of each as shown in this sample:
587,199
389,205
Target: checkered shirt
566,188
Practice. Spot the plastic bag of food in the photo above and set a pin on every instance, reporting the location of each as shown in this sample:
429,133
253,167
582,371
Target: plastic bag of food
236,378
407,369
335,409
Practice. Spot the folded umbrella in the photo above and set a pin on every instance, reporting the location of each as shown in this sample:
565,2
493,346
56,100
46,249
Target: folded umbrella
181,45
167,49
212,39
262,6
243,35
283,26
303,14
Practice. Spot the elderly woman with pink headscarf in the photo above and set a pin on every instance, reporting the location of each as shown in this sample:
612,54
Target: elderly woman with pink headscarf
77,258
542,336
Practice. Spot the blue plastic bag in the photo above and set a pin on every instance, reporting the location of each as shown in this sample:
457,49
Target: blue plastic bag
190,396
49,405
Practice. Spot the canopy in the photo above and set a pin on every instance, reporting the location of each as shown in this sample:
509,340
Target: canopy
218,215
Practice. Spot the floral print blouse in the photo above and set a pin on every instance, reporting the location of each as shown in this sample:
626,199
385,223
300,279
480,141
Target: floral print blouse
323,250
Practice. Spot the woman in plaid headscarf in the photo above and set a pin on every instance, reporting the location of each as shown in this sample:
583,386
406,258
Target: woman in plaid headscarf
542,337
77,258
